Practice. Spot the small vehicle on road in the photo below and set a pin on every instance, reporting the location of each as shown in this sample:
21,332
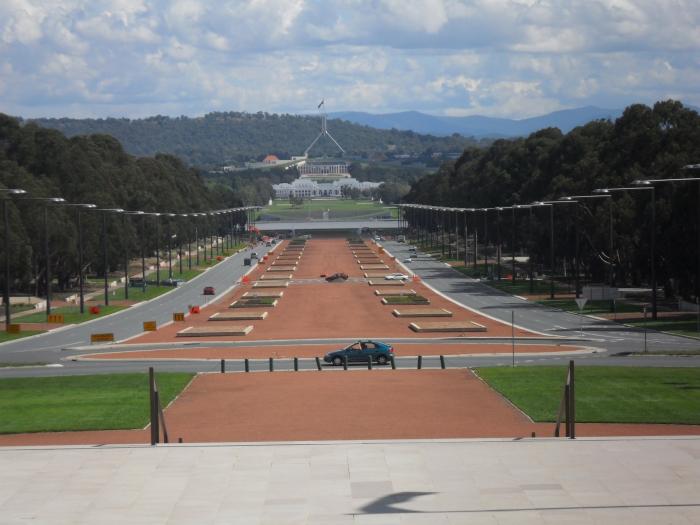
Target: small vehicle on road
253,255
208,290
361,351
337,276
396,277
408,260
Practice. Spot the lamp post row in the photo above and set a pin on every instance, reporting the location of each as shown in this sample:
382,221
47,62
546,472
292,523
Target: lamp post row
604,193
7,193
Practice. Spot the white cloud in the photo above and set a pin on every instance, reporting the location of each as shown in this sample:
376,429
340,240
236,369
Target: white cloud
498,57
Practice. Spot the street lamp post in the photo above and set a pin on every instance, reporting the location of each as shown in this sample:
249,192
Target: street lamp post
105,261
610,226
125,243
81,278
48,201
649,182
551,244
6,289
652,241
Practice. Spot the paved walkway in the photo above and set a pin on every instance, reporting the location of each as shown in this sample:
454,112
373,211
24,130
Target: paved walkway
621,481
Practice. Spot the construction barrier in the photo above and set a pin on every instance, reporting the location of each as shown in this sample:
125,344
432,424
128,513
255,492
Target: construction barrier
194,309
102,338
245,279
55,318
94,309
149,326
13,329
178,316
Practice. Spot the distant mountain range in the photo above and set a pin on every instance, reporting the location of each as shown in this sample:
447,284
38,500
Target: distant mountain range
477,126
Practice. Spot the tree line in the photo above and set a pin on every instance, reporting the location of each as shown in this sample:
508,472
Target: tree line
92,169
644,143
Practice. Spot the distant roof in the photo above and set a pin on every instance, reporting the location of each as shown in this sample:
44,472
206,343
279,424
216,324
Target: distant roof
271,158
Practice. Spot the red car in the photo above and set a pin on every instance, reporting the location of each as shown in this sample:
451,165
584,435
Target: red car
209,290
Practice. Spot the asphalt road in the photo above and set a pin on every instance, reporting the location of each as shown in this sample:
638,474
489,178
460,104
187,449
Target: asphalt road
128,323
603,334
611,340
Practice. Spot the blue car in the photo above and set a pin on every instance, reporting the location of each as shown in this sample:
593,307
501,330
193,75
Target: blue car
361,351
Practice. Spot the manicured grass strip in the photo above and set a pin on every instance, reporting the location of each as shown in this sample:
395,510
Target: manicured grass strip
4,336
685,325
406,299
603,394
98,402
592,307
71,314
136,293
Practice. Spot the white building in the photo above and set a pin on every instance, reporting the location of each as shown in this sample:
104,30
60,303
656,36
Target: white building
321,179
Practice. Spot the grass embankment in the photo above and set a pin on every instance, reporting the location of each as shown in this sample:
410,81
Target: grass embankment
406,299
4,336
99,402
71,314
337,209
683,325
603,394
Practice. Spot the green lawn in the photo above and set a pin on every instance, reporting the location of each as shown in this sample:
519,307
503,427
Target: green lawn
341,208
136,293
685,325
4,336
406,299
99,402
592,307
603,394
72,314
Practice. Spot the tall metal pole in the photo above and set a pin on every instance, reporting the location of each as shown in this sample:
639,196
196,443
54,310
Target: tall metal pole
81,280
196,241
6,289
466,238
157,249
170,252
512,247
577,266
486,241
125,243
551,250
143,254
104,256
498,241
529,252
653,254
612,258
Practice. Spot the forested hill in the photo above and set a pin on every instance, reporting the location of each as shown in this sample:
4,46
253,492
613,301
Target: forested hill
222,138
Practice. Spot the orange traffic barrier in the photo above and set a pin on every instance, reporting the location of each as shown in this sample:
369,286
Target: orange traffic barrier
149,326
194,309
245,279
178,316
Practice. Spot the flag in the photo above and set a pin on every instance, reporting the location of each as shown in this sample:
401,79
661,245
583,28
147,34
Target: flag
321,104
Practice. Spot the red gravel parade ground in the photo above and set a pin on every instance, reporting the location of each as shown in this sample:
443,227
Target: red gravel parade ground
334,404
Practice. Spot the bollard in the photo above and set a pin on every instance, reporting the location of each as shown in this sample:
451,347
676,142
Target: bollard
223,366
393,363
345,362
420,362
369,362
318,363
296,364
247,365
272,365
442,362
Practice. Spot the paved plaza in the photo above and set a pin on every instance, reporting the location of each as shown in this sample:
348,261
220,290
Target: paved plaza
631,480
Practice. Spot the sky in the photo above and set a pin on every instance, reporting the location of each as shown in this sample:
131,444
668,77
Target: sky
504,58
